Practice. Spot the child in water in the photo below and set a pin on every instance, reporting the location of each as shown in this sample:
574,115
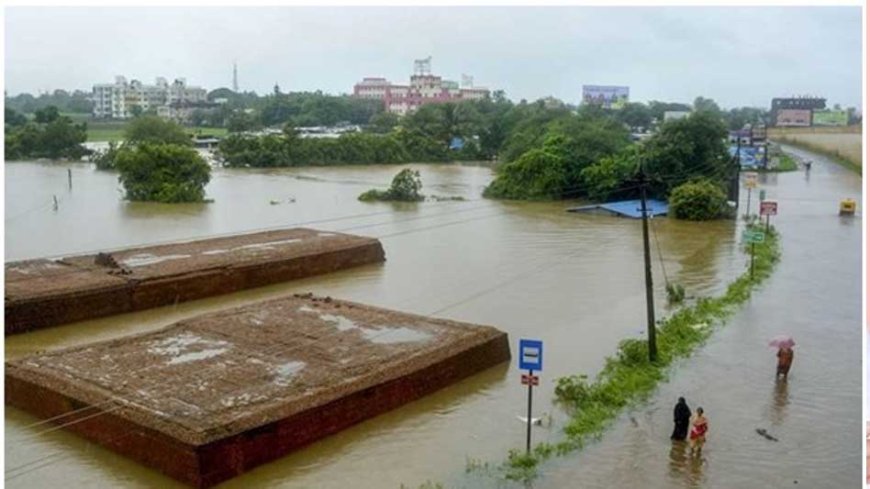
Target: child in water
698,435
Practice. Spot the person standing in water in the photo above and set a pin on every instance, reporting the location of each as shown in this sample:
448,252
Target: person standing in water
785,355
682,414
698,435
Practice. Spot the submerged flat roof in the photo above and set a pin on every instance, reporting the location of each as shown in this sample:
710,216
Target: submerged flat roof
220,374
627,208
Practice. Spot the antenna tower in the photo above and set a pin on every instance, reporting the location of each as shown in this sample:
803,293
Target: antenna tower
235,78
423,66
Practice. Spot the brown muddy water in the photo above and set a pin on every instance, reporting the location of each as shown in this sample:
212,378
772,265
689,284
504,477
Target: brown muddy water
531,269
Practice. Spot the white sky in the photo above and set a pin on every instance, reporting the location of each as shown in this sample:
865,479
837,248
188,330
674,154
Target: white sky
735,55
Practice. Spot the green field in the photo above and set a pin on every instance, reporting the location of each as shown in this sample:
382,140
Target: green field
114,131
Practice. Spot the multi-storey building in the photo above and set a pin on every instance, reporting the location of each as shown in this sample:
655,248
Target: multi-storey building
424,88
117,100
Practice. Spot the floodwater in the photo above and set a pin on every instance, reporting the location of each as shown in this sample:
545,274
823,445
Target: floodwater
531,269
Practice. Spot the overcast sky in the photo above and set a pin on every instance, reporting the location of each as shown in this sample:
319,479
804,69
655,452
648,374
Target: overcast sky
735,55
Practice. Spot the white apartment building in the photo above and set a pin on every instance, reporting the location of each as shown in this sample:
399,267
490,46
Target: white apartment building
116,100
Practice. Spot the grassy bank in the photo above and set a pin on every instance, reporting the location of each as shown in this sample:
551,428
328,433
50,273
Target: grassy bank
845,149
785,163
629,377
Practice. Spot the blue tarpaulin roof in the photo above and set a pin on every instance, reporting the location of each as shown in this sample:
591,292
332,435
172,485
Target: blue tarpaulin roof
627,208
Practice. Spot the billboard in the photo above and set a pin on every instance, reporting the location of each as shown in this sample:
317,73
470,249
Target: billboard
793,117
830,118
608,97
750,156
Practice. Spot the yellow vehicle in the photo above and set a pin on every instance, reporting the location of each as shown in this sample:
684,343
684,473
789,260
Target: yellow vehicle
847,207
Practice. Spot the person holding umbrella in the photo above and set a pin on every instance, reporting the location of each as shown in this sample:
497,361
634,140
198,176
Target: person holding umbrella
784,356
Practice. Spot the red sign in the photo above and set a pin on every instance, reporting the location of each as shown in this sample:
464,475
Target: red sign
530,379
768,208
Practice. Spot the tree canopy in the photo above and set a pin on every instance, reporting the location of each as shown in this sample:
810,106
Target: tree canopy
405,187
154,129
158,172
50,135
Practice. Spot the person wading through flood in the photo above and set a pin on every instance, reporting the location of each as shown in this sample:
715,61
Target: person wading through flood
682,414
785,356
698,435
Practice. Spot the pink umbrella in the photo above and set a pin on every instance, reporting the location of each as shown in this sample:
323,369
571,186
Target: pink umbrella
782,341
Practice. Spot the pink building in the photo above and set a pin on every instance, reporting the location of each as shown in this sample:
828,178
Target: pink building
423,89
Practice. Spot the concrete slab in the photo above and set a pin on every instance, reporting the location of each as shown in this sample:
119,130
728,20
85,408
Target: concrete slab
42,293
214,396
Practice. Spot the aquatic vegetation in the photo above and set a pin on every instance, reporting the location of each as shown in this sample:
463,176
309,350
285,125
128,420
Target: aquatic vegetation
628,377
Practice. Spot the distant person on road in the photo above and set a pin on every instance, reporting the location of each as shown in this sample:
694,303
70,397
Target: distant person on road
698,435
682,415
783,365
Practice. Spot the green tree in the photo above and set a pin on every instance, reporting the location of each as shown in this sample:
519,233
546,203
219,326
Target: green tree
537,175
698,200
241,121
153,129
609,177
702,104
634,115
59,138
13,118
62,139
167,173
383,122
687,148
405,187
46,115
136,111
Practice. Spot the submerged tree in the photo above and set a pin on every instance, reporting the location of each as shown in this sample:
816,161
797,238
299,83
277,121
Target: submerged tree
167,173
406,187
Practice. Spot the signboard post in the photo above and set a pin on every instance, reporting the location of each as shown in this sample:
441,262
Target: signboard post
752,237
531,359
750,181
767,208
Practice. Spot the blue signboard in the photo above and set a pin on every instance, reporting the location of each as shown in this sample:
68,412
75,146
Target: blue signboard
750,156
531,355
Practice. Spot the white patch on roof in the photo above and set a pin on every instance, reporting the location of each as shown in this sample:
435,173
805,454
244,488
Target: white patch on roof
187,347
384,335
214,252
286,371
268,244
395,335
142,259
197,355
241,400
341,322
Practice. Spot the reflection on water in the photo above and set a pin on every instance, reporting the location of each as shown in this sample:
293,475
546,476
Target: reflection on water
779,403
531,269
686,469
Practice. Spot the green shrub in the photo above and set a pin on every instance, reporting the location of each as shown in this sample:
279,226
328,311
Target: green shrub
162,173
406,187
698,200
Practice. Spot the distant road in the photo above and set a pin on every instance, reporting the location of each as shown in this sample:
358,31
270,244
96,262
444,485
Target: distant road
841,143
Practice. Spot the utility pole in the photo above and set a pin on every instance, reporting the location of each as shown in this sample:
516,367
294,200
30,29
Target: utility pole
735,182
650,306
